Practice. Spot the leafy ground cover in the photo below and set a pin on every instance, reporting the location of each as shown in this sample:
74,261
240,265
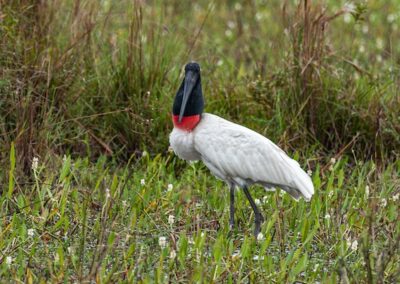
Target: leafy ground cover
156,221
90,193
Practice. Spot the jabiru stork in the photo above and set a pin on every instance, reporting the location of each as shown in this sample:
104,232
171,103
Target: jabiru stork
233,153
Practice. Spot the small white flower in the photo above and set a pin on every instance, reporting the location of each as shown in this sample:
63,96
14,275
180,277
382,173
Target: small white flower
142,181
35,163
31,232
257,257
144,154
170,187
396,197
171,219
379,43
172,254
220,62
148,93
108,195
316,267
349,7
228,33
265,199
327,216
354,245
162,242
272,189
260,237
236,254
309,172
124,203
366,191
347,18
238,6
330,194
391,18
383,202
286,32
9,260
231,24
333,161
257,201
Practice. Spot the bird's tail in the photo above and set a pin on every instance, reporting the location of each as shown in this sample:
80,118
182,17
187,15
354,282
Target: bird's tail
301,185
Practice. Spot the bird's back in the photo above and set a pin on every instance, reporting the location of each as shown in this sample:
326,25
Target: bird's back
239,155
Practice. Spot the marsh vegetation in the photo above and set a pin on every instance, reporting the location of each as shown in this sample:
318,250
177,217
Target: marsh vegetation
91,193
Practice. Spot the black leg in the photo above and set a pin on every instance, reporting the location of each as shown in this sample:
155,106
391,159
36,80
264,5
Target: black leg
257,215
232,207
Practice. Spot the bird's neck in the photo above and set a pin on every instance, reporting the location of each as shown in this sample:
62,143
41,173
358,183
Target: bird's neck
188,123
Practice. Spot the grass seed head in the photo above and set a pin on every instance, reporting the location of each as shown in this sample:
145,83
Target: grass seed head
171,219
162,242
35,163
9,260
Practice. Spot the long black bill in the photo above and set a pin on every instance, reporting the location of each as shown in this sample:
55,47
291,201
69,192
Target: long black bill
190,82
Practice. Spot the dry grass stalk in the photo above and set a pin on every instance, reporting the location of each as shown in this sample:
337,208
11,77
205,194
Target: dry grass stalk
307,28
35,66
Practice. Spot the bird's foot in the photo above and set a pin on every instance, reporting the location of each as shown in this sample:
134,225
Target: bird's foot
231,232
257,229
231,224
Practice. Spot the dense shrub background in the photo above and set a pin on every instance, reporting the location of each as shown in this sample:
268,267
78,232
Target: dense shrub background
92,78
88,186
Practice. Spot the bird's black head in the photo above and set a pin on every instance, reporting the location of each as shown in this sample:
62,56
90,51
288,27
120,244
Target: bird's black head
189,99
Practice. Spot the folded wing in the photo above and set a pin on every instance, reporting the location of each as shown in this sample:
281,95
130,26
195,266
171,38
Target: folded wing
248,157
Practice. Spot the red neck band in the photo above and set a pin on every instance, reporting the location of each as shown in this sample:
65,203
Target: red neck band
188,123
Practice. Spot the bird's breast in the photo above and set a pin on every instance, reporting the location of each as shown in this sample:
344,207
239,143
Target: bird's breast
182,142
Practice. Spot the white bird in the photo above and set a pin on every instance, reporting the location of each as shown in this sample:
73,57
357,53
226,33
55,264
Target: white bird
233,153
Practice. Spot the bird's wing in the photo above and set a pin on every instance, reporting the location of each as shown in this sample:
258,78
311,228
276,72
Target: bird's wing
241,153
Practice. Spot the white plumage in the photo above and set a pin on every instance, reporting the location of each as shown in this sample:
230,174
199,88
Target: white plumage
240,156
233,153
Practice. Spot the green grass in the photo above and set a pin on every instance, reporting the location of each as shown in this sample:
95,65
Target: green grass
83,221
90,78
93,81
